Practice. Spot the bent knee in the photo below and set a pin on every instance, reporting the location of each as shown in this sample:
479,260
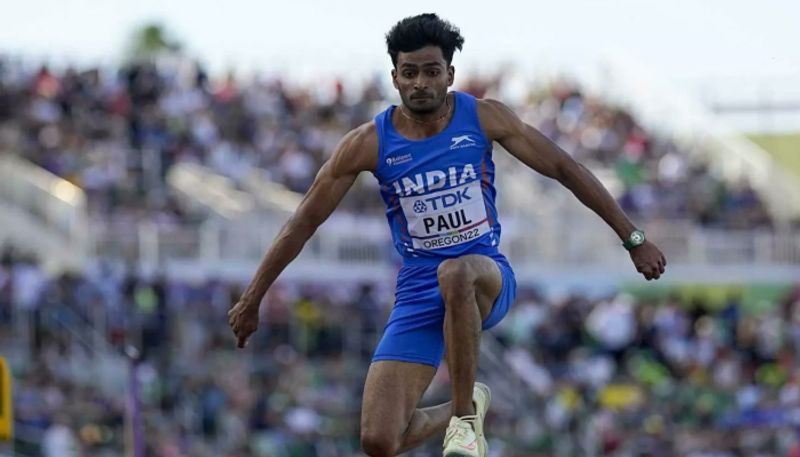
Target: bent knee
455,272
378,443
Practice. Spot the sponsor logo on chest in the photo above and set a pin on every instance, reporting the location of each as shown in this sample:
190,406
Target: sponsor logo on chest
446,217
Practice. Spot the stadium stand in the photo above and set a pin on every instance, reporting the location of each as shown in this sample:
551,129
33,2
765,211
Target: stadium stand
120,157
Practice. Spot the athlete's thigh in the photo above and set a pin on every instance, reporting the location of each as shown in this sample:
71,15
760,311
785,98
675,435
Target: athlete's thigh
391,394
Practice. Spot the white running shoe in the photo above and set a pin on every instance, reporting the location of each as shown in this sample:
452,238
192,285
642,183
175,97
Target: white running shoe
482,398
460,439
464,437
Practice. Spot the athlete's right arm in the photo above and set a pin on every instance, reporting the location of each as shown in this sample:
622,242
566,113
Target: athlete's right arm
356,152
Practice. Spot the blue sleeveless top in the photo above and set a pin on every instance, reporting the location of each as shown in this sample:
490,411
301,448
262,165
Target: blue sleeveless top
439,191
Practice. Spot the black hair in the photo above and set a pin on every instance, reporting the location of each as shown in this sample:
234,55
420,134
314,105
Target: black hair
416,32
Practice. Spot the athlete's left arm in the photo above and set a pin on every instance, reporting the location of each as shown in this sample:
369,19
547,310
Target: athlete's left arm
535,150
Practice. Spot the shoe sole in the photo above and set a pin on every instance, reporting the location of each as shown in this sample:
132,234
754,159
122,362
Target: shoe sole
458,454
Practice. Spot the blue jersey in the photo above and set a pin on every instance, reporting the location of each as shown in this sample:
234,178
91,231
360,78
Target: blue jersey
439,191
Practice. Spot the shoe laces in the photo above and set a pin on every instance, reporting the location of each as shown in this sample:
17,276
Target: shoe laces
459,429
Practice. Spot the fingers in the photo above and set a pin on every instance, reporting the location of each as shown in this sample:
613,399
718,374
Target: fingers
242,334
662,264
649,265
241,337
651,271
655,274
232,316
659,268
243,321
242,331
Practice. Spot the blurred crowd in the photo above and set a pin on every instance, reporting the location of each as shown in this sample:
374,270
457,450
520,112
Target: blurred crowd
116,133
658,178
572,375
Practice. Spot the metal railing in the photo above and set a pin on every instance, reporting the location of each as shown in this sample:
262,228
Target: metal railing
55,201
201,187
43,213
347,243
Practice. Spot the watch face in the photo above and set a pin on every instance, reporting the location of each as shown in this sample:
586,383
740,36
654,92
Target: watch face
637,238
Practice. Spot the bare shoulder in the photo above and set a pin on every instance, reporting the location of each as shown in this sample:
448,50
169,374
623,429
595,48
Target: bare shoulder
366,135
496,118
358,150
490,105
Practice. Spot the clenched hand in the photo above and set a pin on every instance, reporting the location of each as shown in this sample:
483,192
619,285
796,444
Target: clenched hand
648,260
243,319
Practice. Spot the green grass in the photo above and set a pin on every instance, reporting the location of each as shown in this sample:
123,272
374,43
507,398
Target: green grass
755,297
784,148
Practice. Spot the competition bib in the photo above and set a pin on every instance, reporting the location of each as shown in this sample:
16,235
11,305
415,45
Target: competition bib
446,218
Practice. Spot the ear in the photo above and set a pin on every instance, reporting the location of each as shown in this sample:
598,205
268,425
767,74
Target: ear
451,75
394,78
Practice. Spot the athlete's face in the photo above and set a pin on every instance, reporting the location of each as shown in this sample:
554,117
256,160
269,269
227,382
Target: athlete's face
422,78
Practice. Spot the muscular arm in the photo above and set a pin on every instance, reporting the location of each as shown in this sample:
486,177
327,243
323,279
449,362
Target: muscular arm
536,151
356,152
539,153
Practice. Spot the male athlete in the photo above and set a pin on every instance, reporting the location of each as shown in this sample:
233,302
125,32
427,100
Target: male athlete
432,156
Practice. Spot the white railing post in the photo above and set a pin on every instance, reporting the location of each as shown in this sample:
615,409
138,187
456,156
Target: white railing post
210,241
762,245
697,249
148,245
793,242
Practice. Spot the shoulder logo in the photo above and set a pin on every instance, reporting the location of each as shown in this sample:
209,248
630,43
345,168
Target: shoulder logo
462,141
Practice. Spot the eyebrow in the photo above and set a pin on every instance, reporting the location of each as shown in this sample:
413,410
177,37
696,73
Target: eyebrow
426,64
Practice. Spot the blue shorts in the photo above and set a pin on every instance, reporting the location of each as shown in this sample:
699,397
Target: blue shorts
415,330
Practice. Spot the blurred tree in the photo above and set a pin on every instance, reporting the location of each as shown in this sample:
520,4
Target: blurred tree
151,41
